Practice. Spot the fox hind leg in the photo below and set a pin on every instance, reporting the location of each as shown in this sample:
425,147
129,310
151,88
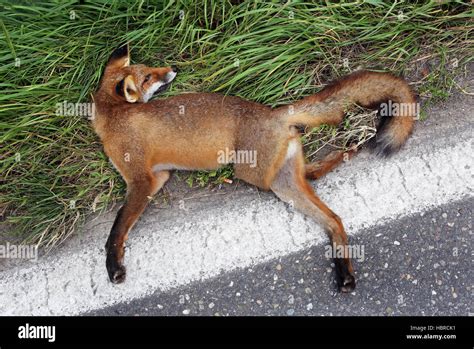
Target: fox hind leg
291,186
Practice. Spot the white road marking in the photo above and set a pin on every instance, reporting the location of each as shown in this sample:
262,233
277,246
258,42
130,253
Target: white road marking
179,245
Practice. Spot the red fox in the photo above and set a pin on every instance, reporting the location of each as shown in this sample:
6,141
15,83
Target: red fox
145,140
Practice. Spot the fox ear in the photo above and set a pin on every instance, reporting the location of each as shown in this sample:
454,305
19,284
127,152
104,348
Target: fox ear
120,58
130,89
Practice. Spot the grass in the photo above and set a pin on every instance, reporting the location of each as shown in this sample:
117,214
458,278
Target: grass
53,172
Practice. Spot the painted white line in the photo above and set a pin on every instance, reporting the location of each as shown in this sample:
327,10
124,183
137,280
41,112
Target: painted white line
174,247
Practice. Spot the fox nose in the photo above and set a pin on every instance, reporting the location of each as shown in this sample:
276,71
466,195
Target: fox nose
169,76
174,68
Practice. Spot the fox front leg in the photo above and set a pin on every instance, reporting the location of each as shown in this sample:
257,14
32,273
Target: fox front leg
138,195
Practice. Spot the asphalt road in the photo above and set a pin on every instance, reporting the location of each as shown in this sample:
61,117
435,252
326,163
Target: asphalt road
419,265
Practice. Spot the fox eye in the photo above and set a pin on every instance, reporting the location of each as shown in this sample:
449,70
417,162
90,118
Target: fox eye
147,78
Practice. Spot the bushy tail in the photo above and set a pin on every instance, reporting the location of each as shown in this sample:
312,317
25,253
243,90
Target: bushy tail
386,92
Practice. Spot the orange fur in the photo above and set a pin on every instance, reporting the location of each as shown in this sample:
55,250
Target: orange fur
145,140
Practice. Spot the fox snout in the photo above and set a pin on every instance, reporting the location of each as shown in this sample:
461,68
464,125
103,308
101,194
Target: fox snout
163,75
158,85
171,75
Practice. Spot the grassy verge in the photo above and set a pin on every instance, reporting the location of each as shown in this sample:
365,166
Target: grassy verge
53,172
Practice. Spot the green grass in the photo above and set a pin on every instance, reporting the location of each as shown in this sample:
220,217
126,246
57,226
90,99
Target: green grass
53,172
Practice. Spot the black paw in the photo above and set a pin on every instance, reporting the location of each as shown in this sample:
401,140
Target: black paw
113,262
116,271
344,278
346,284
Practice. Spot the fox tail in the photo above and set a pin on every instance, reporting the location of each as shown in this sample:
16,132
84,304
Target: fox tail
389,94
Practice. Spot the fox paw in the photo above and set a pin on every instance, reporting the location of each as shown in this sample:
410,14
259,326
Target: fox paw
344,278
117,274
115,269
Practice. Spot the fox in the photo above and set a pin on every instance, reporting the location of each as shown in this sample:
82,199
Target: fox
146,139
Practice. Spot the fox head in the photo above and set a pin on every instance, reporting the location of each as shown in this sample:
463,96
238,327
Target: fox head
133,83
